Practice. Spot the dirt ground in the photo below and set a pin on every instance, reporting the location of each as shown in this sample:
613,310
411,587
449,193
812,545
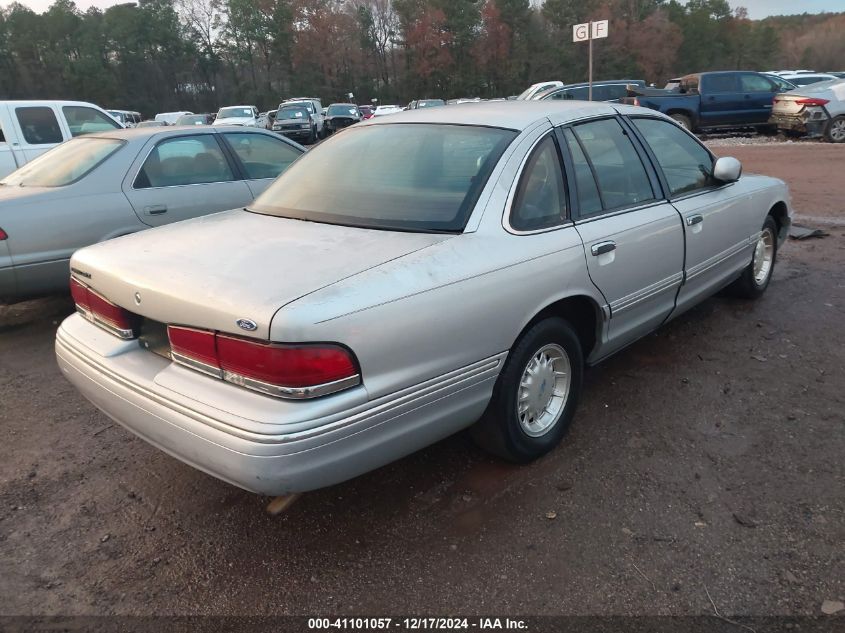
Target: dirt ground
707,458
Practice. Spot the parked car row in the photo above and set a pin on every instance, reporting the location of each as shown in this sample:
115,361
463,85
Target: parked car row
324,331
731,99
111,183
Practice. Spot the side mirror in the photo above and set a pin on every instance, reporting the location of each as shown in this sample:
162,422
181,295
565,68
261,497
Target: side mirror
727,169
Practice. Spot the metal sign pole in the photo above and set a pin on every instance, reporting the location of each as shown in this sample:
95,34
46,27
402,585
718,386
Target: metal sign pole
590,67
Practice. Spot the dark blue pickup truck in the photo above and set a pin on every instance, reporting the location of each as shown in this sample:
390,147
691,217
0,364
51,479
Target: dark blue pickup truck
717,99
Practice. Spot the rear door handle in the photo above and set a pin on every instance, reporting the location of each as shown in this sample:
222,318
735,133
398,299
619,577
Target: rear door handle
155,209
695,219
602,247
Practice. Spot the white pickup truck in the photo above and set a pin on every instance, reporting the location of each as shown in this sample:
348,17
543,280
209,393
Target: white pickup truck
30,128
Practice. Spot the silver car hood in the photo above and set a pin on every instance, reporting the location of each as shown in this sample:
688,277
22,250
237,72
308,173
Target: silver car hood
211,271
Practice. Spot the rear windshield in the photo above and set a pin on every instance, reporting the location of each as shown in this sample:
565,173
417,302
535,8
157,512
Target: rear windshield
64,164
302,104
226,113
292,113
342,110
427,177
191,119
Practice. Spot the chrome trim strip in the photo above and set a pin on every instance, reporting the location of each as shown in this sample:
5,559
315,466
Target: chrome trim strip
195,364
394,404
631,300
717,259
292,393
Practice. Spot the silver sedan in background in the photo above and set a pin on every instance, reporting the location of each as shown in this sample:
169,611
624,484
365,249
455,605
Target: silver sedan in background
100,186
498,249
814,110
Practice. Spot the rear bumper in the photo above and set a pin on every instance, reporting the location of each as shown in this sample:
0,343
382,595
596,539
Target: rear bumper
811,124
125,382
295,134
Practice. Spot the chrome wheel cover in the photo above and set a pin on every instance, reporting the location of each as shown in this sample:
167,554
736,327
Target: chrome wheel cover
543,390
764,256
837,130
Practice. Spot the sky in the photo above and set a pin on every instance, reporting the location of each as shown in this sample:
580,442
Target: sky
756,8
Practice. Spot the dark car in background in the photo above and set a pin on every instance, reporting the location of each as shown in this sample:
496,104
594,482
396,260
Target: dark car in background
341,115
296,122
195,119
724,99
366,112
612,90
425,103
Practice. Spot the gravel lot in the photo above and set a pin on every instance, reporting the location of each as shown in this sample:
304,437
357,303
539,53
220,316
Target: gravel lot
707,458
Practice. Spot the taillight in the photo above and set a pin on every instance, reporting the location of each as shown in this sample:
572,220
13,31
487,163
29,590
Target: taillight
636,101
3,235
103,312
812,102
195,348
285,371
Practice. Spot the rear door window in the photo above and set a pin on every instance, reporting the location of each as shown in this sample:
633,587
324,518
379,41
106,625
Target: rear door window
719,83
184,160
84,120
755,83
619,172
39,125
589,201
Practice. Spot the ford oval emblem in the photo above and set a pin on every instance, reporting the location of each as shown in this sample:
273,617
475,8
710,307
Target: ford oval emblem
247,324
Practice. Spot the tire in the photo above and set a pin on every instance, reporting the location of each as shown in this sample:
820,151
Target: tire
312,137
504,429
683,120
835,130
753,281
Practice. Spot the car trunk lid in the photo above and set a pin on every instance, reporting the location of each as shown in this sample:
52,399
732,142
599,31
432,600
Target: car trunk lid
217,270
788,104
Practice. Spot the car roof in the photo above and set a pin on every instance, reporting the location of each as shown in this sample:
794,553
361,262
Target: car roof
514,115
132,134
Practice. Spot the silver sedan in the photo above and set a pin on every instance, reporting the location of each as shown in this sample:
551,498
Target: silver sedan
353,315
103,185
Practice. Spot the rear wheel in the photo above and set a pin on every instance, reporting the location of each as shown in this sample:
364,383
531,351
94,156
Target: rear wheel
835,131
683,120
312,137
536,394
756,277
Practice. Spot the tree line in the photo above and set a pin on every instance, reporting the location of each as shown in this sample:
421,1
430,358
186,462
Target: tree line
160,55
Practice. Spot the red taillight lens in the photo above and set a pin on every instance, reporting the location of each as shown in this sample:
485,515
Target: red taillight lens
636,101
80,295
812,102
103,312
3,235
288,371
194,345
285,365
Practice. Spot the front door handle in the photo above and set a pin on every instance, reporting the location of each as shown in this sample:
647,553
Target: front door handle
155,209
695,219
602,247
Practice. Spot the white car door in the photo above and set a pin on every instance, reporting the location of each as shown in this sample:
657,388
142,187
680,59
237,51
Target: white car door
11,156
183,177
37,128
